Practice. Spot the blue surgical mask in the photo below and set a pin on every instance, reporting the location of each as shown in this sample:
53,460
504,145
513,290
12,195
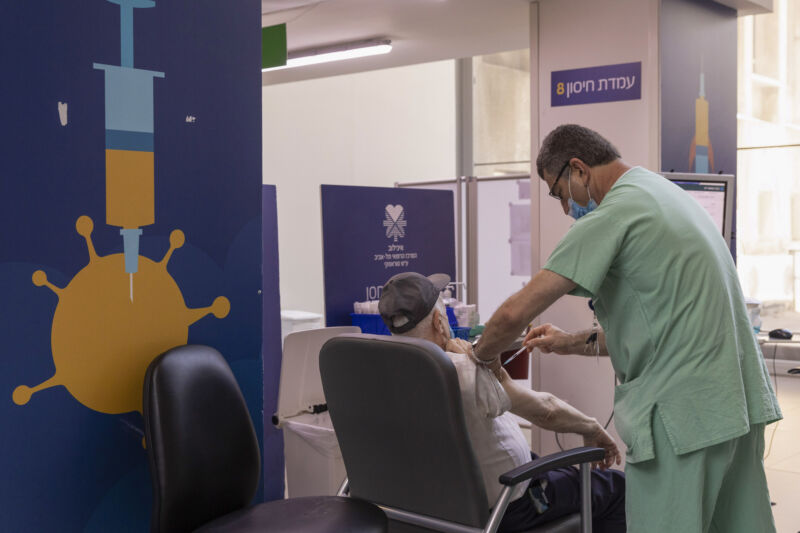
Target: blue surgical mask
576,211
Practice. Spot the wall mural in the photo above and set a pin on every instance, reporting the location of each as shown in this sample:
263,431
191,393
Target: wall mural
698,89
130,222
103,338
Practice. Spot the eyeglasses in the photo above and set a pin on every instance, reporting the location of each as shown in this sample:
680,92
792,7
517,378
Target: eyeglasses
551,193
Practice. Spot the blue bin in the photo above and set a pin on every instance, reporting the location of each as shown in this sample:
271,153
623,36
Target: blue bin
461,333
451,317
372,324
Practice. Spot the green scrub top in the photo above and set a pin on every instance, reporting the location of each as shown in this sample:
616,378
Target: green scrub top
666,292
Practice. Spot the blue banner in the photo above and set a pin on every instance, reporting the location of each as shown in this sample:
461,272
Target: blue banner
271,345
142,131
370,234
592,85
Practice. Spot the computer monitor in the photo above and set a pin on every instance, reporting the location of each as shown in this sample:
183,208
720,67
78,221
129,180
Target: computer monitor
714,192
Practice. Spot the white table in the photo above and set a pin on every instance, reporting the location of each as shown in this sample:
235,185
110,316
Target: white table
781,355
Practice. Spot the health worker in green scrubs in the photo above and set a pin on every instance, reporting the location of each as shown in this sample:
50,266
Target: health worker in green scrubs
694,394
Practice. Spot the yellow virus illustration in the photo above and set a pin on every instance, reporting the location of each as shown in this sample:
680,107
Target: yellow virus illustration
102,341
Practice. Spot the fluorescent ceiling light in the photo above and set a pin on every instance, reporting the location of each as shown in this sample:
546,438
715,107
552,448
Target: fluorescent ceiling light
338,52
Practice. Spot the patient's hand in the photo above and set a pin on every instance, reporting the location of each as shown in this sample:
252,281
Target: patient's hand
601,439
459,346
549,338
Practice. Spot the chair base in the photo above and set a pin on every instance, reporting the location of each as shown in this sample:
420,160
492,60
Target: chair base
315,514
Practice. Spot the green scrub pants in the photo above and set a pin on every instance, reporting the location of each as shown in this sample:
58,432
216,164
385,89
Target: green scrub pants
719,489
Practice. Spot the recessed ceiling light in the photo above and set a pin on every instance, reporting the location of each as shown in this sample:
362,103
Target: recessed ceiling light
336,52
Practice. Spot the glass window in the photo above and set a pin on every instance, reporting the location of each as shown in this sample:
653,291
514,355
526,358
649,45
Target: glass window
768,184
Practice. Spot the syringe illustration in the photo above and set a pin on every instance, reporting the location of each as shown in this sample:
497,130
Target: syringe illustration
130,202
701,154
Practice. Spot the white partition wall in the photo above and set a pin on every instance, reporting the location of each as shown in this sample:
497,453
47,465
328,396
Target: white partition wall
503,236
371,128
573,34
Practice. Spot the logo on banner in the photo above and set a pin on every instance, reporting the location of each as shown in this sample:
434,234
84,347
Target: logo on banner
395,222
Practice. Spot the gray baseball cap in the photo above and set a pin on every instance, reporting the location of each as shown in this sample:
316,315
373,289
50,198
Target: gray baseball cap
410,295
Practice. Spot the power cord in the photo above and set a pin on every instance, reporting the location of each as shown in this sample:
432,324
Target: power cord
605,426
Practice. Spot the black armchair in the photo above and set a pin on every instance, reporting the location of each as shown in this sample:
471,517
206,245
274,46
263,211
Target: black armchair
396,407
204,457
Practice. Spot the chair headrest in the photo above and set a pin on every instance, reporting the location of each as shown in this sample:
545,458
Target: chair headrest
202,447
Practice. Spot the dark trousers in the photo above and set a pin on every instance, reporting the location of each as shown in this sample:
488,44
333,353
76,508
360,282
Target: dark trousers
563,493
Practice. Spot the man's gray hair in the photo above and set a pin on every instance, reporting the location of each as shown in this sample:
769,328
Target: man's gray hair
571,140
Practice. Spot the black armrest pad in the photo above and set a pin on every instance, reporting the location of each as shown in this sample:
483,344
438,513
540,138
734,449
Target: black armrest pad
549,462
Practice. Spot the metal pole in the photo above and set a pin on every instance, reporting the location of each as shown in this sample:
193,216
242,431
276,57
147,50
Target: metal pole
464,167
586,498
472,241
344,488
464,132
460,296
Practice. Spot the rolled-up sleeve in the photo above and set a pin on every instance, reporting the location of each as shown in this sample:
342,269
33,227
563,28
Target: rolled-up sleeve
479,387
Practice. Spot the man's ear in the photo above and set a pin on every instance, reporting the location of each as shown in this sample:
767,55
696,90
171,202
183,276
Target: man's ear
437,321
580,170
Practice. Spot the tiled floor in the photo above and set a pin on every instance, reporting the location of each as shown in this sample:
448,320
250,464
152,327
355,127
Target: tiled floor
783,461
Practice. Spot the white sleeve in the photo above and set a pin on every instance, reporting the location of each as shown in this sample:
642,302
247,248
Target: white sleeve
490,396
479,387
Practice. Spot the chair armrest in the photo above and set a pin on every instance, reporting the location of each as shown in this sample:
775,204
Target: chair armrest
549,462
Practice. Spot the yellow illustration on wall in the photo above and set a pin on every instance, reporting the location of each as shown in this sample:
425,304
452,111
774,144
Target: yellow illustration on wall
102,341
105,333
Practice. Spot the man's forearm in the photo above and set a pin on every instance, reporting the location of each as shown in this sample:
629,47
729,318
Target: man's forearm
564,418
548,411
519,310
582,345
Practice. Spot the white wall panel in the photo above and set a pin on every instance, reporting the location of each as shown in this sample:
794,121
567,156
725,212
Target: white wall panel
373,128
571,34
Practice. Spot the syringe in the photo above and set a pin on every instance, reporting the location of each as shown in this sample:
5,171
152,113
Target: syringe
130,243
129,141
515,355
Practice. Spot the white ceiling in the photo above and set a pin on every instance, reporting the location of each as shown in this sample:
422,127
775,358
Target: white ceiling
420,30
747,7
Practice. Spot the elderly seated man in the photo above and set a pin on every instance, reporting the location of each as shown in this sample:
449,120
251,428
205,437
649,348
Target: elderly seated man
411,305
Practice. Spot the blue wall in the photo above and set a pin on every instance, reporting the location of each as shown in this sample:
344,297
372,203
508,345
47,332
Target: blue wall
68,466
272,349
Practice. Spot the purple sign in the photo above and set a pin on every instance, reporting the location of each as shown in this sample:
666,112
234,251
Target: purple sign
592,85
369,234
